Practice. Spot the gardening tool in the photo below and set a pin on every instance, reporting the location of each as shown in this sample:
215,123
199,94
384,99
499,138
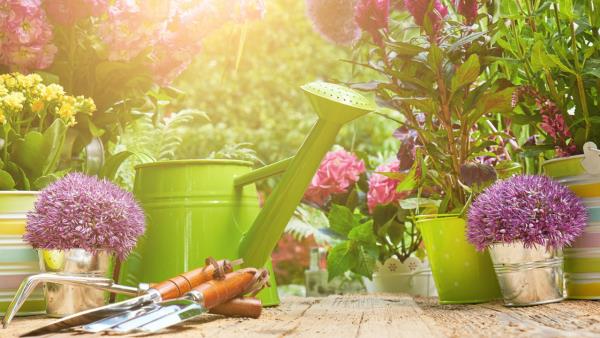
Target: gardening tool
197,208
169,289
155,317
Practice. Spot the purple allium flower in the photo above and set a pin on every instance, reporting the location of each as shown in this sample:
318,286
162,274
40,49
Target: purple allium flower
80,211
334,20
532,209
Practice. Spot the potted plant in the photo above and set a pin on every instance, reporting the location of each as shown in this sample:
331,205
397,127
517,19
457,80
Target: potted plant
438,75
371,224
551,61
524,222
34,121
79,223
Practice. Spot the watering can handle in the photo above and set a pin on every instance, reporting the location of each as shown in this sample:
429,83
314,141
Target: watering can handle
262,173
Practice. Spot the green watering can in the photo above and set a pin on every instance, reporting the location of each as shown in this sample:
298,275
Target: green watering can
201,208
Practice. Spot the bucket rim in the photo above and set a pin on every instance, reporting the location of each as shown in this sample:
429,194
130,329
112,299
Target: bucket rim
562,159
207,161
18,192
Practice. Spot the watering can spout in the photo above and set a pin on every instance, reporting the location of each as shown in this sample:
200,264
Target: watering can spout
335,106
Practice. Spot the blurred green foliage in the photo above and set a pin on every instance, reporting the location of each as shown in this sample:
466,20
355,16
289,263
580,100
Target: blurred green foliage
261,103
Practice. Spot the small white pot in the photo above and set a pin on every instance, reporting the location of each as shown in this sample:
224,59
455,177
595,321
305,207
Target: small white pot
411,276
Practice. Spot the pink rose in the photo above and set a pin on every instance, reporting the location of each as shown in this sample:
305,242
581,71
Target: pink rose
382,189
338,171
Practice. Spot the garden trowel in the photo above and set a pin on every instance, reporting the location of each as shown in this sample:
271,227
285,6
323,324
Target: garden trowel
200,300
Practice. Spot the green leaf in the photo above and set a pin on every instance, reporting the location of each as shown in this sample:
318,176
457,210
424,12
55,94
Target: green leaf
363,233
340,259
410,181
418,203
113,162
46,180
366,258
341,219
54,138
435,58
498,102
28,153
466,74
565,7
6,181
507,168
405,49
557,62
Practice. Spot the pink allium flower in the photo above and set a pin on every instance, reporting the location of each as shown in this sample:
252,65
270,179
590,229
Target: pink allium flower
68,12
382,189
373,16
338,171
418,9
533,209
334,20
25,36
83,212
468,9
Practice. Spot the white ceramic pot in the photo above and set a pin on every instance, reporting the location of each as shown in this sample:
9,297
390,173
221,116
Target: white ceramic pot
412,277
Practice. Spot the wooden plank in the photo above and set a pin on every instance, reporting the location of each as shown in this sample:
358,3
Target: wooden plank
565,319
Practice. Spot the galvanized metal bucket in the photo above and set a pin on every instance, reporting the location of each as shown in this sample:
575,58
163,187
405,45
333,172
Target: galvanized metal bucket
528,276
62,299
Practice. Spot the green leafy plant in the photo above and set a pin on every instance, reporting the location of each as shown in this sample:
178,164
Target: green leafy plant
550,51
439,76
34,121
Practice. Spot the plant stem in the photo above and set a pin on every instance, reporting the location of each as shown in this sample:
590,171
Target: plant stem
580,86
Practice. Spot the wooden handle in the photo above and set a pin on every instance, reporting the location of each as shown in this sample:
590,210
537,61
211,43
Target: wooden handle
239,307
217,292
178,286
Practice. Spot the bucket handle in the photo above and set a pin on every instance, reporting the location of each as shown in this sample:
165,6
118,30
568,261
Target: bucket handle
591,161
262,173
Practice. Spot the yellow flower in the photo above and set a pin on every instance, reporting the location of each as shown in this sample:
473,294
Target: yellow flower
67,113
3,90
10,82
14,101
2,118
52,92
37,106
28,81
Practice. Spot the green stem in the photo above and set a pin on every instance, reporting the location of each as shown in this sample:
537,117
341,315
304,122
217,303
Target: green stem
580,86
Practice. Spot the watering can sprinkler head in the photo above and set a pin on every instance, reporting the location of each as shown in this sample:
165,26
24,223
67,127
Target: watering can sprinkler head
337,103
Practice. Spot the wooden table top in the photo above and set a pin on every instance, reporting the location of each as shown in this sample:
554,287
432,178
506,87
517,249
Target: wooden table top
381,316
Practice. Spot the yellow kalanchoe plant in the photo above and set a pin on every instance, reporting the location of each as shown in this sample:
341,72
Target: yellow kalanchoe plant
34,120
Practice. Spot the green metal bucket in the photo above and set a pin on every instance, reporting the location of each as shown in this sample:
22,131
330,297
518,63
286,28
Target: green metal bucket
461,274
193,211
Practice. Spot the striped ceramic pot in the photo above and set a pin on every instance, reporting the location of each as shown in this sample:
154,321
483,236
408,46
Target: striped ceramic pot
18,259
581,174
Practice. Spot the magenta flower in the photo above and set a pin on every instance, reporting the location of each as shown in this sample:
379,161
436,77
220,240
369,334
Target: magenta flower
382,189
25,36
68,12
334,20
372,16
83,212
419,8
468,9
533,209
338,171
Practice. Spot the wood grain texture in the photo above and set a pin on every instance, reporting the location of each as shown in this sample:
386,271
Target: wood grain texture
382,316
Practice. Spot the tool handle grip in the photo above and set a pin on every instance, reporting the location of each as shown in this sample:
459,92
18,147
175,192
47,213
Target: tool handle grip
177,286
239,307
234,284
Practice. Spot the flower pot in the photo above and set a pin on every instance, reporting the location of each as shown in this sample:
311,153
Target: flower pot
62,299
581,174
461,274
528,276
411,276
18,260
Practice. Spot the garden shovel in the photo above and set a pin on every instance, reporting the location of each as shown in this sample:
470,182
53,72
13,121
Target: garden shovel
199,300
169,289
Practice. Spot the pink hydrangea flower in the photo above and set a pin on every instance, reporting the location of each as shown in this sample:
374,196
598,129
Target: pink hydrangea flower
25,36
373,16
68,12
419,8
338,171
382,189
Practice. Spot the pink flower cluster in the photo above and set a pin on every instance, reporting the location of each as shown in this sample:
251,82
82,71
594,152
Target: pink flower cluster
25,35
172,31
338,171
468,9
419,9
373,16
68,12
382,189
